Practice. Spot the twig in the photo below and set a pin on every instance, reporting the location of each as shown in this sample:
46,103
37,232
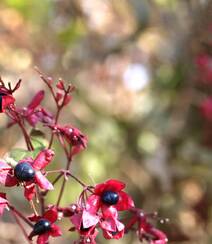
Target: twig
21,227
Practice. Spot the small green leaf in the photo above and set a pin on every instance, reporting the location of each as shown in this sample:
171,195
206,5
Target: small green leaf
18,154
38,139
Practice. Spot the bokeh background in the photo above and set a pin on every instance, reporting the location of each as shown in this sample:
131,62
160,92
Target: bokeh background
143,72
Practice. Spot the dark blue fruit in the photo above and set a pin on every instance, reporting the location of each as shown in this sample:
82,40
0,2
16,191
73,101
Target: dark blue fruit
41,227
82,228
1,95
110,197
24,172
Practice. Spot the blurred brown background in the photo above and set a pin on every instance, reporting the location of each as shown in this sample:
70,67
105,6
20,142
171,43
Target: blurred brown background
138,98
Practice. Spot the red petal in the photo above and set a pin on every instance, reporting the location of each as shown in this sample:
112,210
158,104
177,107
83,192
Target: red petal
59,96
99,188
76,220
34,218
125,202
112,235
76,149
43,159
109,212
29,191
4,165
89,219
6,175
60,85
33,119
119,225
67,99
55,230
109,225
3,198
2,207
109,185
93,204
36,100
51,215
6,101
3,202
42,239
42,181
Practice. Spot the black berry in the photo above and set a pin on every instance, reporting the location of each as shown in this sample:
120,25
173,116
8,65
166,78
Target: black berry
75,140
24,172
1,95
82,228
41,227
110,197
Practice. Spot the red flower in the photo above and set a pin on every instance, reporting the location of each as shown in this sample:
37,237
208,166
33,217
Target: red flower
45,227
85,223
73,136
112,228
145,230
110,198
28,172
33,113
6,98
3,202
149,232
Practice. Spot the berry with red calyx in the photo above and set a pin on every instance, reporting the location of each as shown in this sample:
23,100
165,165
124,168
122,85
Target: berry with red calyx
110,197
82,228
45,226
6,99
24,172
41,227
1,97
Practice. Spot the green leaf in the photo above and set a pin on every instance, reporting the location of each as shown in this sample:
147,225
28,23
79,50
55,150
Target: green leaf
38,139
18,154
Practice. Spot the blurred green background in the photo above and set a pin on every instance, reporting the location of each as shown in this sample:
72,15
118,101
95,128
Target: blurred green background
137,99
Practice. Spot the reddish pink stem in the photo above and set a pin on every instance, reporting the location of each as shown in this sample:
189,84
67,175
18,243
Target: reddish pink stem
21,227
13,209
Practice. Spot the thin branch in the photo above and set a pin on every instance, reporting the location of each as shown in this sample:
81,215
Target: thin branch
21,227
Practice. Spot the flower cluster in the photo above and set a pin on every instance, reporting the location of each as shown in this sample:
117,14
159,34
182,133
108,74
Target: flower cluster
98,207
100,211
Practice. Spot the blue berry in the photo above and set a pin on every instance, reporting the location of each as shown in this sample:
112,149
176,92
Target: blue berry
110,197
82,228
24,172
41,227
1,95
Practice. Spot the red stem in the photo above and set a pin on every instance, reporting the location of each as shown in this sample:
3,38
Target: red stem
56,120
13,209
57,178
21,227
78,180
64,182
26,136
59,108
